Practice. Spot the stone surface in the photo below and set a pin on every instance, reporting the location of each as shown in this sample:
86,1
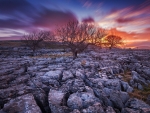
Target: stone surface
136,104
95,108
109,109
67,75
117,102
75,111
88,99
119,99
77,85
81,100
113,84
79,74
52,75
130,89
148,99
74,101
56,97
128,110
124,85
22,104
140,87
97,81
59,109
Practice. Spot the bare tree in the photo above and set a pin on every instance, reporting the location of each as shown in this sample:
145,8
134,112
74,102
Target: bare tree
78,36
99,35
113,41
34,40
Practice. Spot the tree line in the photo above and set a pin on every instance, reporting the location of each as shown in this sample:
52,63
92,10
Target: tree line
75,36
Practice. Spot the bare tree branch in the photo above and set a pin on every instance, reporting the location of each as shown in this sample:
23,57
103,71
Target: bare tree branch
78,36
113,41
34,40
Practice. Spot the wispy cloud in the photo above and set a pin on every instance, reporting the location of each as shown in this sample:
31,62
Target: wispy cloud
87,4
130,19
23,15
132,23
88,20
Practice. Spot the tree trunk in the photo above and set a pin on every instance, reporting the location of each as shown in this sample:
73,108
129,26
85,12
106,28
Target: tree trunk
75,55
33,51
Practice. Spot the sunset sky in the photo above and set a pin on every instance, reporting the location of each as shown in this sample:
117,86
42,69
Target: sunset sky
129,19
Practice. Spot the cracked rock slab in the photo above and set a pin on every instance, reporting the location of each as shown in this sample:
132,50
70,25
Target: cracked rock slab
22,104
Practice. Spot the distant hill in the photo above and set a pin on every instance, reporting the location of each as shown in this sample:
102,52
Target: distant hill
10,43
143,47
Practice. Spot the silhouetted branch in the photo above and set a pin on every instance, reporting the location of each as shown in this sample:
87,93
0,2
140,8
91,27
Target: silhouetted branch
78,36
34,40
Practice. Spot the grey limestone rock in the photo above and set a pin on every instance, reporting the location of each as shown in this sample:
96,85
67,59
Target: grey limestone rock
119,99
67,75
109,109
74,101
56,75
95,108
57,101
128,110
113,84
56,97
137,104
22,104
148,99
81,100
140,87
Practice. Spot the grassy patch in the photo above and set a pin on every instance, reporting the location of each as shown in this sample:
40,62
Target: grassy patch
18,43
9,43
55,46
126,76
142,95
53,55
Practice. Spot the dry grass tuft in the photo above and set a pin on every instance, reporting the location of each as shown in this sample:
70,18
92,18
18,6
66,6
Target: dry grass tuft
83,62
126,76
53,55
142,95
10,43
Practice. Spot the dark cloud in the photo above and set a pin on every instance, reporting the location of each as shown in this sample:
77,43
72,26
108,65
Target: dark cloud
11,23
124,20
88,20
16,13
51,18
24,14
14,6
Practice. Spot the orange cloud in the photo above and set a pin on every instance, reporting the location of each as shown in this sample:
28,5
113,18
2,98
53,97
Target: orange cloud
132,39
131,23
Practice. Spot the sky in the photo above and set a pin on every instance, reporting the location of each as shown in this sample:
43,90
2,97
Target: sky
129,19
